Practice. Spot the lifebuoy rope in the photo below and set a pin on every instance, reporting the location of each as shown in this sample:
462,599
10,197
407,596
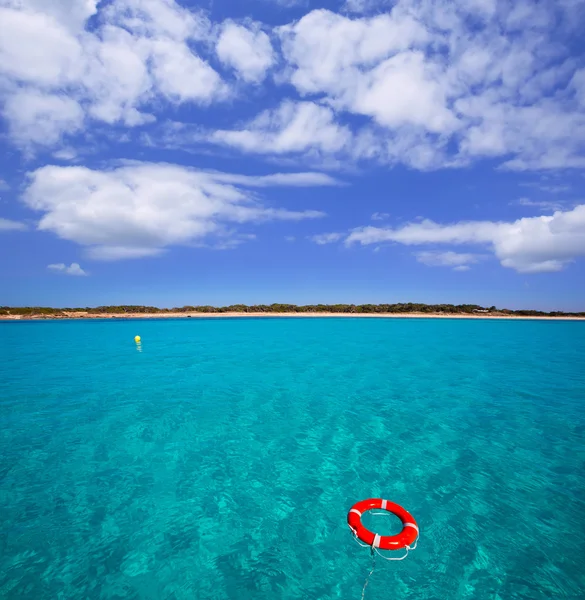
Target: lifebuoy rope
369,574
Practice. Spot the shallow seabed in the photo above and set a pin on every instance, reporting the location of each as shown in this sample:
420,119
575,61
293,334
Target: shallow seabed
220,460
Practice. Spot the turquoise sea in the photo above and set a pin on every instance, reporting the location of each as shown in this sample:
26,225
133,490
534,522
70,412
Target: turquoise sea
218,460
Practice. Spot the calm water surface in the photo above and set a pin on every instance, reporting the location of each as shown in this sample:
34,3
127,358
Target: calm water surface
219,461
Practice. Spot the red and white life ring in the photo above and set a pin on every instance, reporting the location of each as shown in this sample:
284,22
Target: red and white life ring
404,539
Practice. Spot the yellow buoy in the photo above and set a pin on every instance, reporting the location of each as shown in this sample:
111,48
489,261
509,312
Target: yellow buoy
137,339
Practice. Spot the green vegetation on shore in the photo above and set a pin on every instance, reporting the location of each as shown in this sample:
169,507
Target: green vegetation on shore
450,309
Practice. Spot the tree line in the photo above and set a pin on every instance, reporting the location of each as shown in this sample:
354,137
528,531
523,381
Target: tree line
409,307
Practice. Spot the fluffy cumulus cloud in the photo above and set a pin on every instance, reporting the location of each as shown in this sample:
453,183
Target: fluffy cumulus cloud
428,84
56,72
140,209
373,67
530,245
182,76
246,49
41,118
446,83
294,127
72,14
73,269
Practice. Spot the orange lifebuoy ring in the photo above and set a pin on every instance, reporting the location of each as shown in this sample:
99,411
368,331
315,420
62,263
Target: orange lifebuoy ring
404,539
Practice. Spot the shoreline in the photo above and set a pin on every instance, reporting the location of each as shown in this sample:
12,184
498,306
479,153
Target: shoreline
199,315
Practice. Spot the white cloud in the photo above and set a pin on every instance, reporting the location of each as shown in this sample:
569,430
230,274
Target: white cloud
425,84
165,19
140,53
380,216
528,245
229,241
117,77
327,51
427,232
72,269
326,238
550,159
108,253
41,118
542,136
374,67
359,6
456,260
290,238
294,127
10,225
66,154
285,179
578,83
446,83
544,205
247,50
182,76
72,14
139,209
403,91
3,185
35,48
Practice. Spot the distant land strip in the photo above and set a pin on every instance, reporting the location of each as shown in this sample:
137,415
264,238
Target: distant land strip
398,310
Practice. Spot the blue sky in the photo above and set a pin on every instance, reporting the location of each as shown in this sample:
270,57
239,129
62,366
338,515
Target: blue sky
171,153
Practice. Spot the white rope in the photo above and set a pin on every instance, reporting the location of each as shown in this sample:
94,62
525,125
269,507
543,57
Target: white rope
369,574
408,548
355,537
392,557
375,551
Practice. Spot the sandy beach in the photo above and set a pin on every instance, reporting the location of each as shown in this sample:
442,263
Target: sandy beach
199,315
